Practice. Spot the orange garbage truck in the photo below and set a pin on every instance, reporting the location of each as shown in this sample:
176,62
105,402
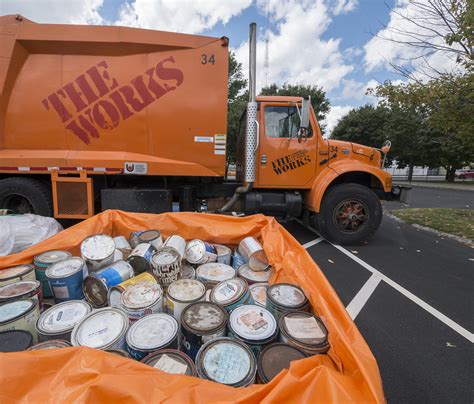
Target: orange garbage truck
102,117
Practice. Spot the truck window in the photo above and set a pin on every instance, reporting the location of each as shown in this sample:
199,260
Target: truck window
283,121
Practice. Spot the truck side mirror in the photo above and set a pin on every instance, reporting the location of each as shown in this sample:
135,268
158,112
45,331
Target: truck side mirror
305,105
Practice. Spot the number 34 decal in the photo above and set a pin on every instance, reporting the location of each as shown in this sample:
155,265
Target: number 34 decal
205,59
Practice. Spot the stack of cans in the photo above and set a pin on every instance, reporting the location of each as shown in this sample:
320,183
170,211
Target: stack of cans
185,307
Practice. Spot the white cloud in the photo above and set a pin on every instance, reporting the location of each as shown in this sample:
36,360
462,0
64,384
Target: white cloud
55,11
344,6
334,115
297,53
180,16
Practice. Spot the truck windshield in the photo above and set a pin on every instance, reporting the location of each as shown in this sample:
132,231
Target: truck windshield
282,121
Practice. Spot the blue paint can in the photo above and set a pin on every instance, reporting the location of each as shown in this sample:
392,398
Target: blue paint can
66,277
237,260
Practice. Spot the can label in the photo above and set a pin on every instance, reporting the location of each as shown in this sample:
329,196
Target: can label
143,250
110,277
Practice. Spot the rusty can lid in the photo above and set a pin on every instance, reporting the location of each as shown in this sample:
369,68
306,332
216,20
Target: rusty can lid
204,318
186,290
171,361
276,357
259,293
52,344
303,327
148,236
215,272
95,291
187,271
15,272
18,289
287,295
141,295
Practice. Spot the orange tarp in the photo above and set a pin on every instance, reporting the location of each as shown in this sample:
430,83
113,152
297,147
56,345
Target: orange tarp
348,372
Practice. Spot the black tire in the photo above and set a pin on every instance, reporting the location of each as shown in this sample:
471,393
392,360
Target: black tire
337,220
26,195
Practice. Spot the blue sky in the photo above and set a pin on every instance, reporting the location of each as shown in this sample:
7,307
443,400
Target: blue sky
329,43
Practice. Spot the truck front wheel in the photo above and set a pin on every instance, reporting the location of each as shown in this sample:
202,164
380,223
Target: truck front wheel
25,195
349,214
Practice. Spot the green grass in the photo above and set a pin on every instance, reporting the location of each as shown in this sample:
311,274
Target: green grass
459,222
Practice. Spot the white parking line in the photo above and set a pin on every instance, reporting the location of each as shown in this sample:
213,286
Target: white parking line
361,298
313,242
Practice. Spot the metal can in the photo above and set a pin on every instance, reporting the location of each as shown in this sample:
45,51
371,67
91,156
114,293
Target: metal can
201,322
140,258
101,329
42,262
305,331
252,276
118,352
231,294
224,254
133,238
19,273
118,255
96,286
253,253
216,358
20,315
282,297
98,251
254,325
259,293
66,277
152,237
209,286
181,294
274,358
53,344
187,271
142,299
115,292
166,266
200,252
171,361
58,321
214,272
122,243
237,260
20,290
176,243
15,341
150,333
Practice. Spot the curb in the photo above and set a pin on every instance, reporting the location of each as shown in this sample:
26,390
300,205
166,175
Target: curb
469,188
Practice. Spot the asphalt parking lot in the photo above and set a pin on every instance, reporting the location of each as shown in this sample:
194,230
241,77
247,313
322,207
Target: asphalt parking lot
411,293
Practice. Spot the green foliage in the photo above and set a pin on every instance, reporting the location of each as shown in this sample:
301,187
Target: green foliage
462,12
319,101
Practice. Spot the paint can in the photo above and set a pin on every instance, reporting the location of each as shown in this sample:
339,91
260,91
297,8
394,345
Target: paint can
20,315
214,272
259,293
209,286
115,292
176,243
96,286
166,266
141,300
274,358
53,344
231,294
216,358
19,273
42,262
140,258
15,341
118,255
133,238
305,331
21,290
224,254
152,237
118,352
187,271
181,294
101,329
282,297
237,260
122,243
200,252
58,321
253,253
254,325
97,251
201,322
66,277
150,333
171,361
252,276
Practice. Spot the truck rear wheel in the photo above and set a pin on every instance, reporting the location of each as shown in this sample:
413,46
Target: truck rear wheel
26,195
350,214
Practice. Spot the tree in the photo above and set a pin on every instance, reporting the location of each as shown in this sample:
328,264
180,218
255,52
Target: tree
319,101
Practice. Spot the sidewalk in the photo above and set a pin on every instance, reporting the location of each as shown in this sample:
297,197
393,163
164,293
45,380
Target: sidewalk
460,186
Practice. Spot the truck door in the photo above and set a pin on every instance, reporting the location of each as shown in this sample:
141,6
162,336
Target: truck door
283,160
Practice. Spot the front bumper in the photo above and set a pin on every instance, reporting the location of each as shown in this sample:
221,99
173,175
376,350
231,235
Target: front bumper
401,193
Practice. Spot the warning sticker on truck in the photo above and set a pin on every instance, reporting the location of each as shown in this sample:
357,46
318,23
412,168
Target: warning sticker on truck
135,168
